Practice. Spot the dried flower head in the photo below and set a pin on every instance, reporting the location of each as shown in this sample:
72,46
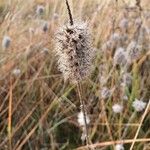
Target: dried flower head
108,46
138,105
40,10
138,22
74,51
45,26
6,42
119,147
123,24
81,120
134,51
115,37
120,57
125,97
127,79
105,93
117,108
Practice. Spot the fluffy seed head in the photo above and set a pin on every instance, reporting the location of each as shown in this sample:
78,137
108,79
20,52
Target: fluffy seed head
119,147
40,10
134,51
16,72
138,105
138,21
6,42
115,37
127,79
105,93
74,51
123,23
120,57
125,97
117,108
81,120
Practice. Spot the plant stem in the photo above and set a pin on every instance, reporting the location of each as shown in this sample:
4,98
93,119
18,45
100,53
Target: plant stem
69,13
82,107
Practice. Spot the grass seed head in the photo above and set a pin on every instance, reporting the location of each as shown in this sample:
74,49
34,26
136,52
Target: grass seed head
40,10
74,51
120,57
123,24
45,26
16,72
117,108
139,105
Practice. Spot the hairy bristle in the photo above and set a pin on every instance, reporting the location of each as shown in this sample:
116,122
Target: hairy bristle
74,51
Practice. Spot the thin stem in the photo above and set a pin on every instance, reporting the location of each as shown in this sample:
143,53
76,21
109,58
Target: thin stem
82,107
139,127
69,13
108,143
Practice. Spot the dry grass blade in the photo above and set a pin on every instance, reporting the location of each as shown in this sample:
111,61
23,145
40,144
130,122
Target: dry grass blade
102,144
58,55
139,127
10,116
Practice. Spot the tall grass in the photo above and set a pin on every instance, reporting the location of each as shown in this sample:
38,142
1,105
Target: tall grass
38,110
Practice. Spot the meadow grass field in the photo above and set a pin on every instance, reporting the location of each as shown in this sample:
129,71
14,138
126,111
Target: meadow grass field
40,110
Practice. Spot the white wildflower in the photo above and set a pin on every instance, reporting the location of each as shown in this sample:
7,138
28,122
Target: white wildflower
117,108
81,120
6,42
119,147
138,105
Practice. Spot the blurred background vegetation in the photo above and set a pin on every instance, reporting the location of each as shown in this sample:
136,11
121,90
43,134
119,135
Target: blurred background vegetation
38,110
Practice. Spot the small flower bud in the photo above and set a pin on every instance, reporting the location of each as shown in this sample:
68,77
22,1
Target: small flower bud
45,26
6,42
40,10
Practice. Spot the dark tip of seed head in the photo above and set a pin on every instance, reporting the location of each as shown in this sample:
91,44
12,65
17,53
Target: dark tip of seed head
80,36
69,31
